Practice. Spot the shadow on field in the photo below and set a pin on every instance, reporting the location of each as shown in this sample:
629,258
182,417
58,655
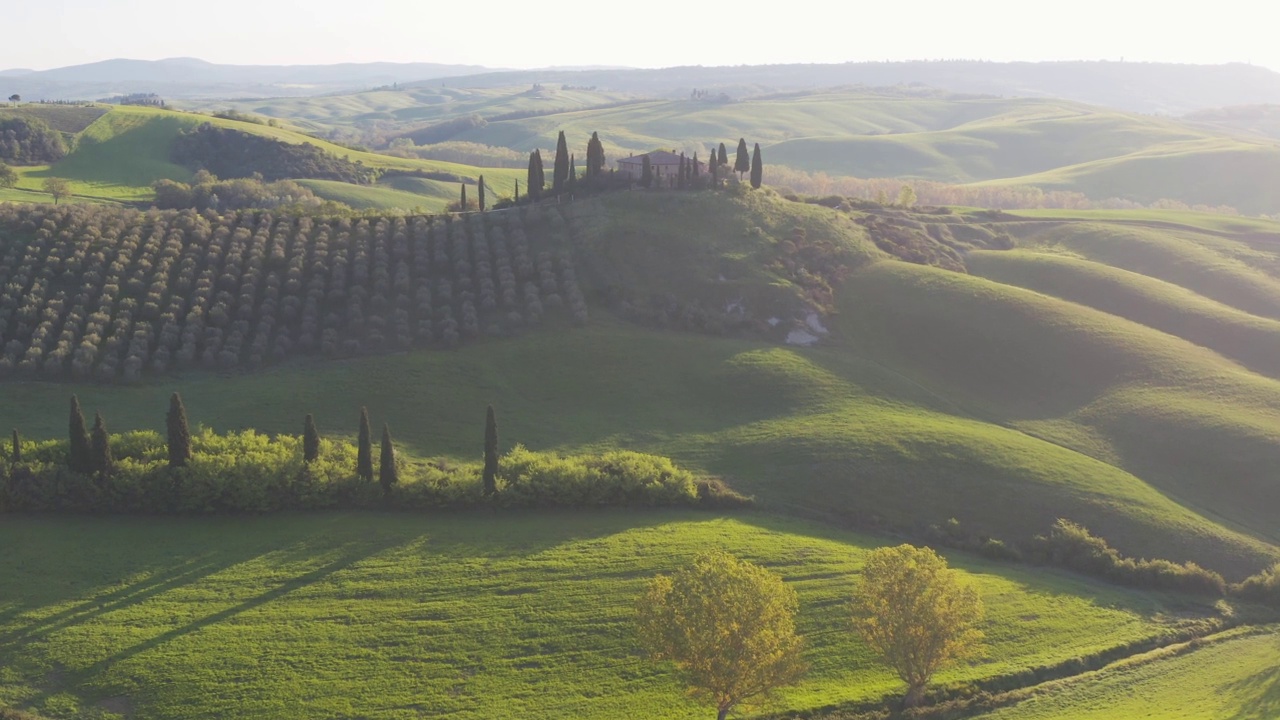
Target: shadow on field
1261,691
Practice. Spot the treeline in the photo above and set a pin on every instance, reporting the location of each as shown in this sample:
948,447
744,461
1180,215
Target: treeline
29,141
1070,545
102,293
207,192
204,472
232,153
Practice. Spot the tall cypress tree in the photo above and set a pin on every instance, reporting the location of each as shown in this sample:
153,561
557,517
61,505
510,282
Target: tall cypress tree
646,172
743,162
179,434
693,167
724,157
595,157
310,440
481,193
713,166
681,172
462,204
572,183
561,170
103,462
490,452
388,475
16,454
536,181
364,448
517,192
80,458
757,168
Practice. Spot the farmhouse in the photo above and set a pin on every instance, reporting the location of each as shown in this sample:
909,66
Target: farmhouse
664,164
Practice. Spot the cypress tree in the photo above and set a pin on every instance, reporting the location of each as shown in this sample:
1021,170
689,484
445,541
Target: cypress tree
561,169
462,204
388,475
103,462
490,452
536,181
364,449
310,440
16,455
179,434
646,172
80,458
757,168
595,157
681,172
481,192
517,192
572,182
713,166
693,168
724,157
743,162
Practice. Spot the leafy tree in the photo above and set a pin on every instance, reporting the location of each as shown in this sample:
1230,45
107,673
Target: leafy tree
364,448
757,168
310,440
916,614
8,176
15,98
179,434
58,188
907,196
743,162
16,454
729,625
388,475
646,172
480,192
103,462
80,458
536,182
561,170
724,157
490,452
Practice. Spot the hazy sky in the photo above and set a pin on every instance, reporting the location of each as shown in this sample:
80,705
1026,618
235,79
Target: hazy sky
42,34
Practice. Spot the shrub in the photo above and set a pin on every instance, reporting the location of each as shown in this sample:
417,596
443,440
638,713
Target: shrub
1072,546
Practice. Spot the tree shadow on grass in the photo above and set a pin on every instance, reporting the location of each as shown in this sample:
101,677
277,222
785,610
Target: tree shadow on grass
1260,694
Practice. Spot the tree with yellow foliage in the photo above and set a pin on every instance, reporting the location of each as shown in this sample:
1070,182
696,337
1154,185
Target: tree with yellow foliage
916,613
729,625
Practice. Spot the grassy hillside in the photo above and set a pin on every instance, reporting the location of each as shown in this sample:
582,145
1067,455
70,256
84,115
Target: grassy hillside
1232,677
465,617
379,197
123,152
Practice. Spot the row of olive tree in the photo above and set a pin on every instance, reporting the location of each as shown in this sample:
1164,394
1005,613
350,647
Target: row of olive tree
729,625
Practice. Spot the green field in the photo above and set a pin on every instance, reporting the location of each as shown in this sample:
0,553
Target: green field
1233,677
867,133
122,153
471,616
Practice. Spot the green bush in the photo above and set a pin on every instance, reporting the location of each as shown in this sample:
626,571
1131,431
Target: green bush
1263,587
248,472
1072,546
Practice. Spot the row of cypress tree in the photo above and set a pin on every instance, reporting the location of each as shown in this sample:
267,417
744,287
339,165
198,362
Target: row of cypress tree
90,450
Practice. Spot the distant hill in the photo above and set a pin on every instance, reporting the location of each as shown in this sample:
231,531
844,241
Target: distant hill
192,78
1163,88
1256,119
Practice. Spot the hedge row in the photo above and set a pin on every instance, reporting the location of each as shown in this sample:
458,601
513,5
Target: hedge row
254,473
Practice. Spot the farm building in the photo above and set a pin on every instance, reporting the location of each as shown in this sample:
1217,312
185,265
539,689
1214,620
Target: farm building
664,164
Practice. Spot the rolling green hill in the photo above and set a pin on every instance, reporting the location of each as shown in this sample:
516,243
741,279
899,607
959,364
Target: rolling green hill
395,616
123,152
